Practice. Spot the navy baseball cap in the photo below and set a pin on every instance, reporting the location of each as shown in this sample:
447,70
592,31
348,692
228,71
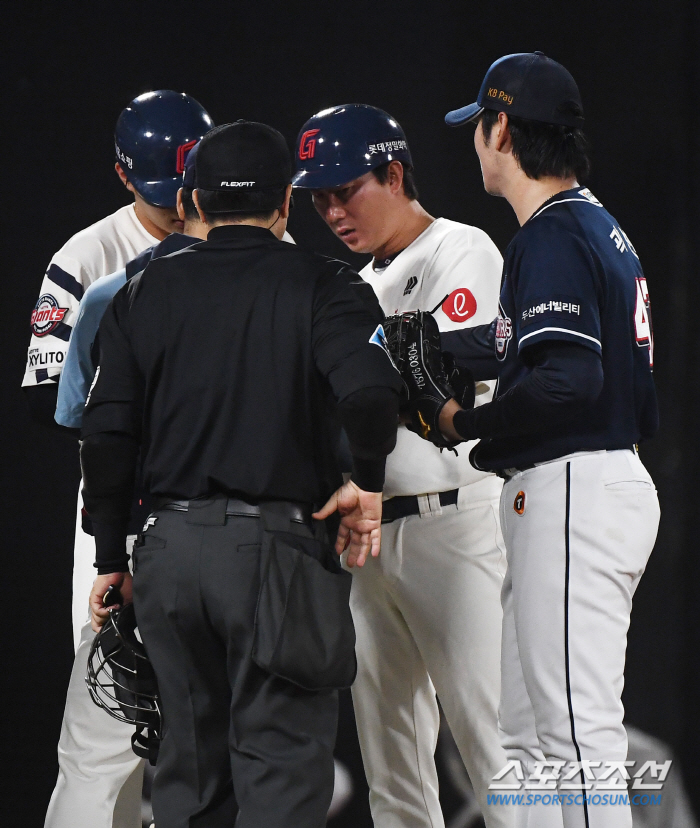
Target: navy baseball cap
528,85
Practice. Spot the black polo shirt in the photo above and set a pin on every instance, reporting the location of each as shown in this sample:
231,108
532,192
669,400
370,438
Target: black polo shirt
226,360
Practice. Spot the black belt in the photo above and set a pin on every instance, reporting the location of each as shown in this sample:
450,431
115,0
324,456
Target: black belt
407,505
295,512
506,474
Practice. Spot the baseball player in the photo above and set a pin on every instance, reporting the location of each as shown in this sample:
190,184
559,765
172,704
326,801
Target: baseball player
572,349
427,610
152,136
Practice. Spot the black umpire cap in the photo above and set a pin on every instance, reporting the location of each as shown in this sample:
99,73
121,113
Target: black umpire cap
528,85
243,157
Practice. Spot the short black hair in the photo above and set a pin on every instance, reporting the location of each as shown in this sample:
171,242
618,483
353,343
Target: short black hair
409,182
218,206
188,205
544,149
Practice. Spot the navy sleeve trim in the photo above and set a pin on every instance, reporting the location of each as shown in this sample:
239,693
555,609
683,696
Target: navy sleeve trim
42,375
66,281
62,331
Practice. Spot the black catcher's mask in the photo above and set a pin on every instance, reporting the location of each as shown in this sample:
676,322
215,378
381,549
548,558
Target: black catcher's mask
121,680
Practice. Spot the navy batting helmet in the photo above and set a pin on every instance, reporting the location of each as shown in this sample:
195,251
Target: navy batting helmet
152,138
344,142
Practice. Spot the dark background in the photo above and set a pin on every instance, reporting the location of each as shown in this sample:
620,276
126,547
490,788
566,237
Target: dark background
68,71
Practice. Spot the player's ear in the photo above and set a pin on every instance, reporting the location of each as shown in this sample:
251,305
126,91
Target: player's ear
121,174
501,134
125,181
178,204
395,177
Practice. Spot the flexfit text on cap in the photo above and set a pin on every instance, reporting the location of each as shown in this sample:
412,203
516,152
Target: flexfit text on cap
244,156
528,85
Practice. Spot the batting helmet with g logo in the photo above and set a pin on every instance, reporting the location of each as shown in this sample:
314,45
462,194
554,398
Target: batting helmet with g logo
152,138
344,142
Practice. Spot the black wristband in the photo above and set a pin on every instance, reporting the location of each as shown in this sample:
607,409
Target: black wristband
110,545
368,474
464,423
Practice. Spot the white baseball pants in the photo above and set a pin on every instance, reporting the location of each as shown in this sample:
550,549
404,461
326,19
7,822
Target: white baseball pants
429,608
575,557
99,776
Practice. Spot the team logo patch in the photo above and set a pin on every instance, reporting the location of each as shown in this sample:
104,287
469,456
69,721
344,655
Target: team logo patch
519,503
46,315
307,144
460,305
504,333
379,338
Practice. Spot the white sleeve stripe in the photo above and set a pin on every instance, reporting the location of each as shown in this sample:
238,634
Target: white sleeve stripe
559,330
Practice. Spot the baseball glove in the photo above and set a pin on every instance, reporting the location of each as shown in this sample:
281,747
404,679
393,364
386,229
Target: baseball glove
413,339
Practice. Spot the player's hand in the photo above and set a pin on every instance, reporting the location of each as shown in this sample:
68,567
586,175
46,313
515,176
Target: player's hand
98,612
360,524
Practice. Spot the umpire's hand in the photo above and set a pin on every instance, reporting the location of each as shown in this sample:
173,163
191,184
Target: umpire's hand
361,522
99,613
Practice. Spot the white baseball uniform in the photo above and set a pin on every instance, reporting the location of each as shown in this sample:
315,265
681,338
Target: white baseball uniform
579,511
427,611
94,751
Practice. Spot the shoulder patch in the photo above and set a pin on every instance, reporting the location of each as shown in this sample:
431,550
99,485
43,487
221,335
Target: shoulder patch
460,305
47,315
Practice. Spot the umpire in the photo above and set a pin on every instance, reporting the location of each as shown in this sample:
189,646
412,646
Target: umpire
230,366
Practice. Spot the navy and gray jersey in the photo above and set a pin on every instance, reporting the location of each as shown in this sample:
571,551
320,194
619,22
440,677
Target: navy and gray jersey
571,275
81,359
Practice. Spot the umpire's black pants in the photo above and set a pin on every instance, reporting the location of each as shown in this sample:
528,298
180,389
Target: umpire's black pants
234,734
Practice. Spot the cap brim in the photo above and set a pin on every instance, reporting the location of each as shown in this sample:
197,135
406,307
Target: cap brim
462,116
158,193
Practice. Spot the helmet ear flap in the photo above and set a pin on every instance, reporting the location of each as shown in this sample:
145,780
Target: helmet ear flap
121,680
